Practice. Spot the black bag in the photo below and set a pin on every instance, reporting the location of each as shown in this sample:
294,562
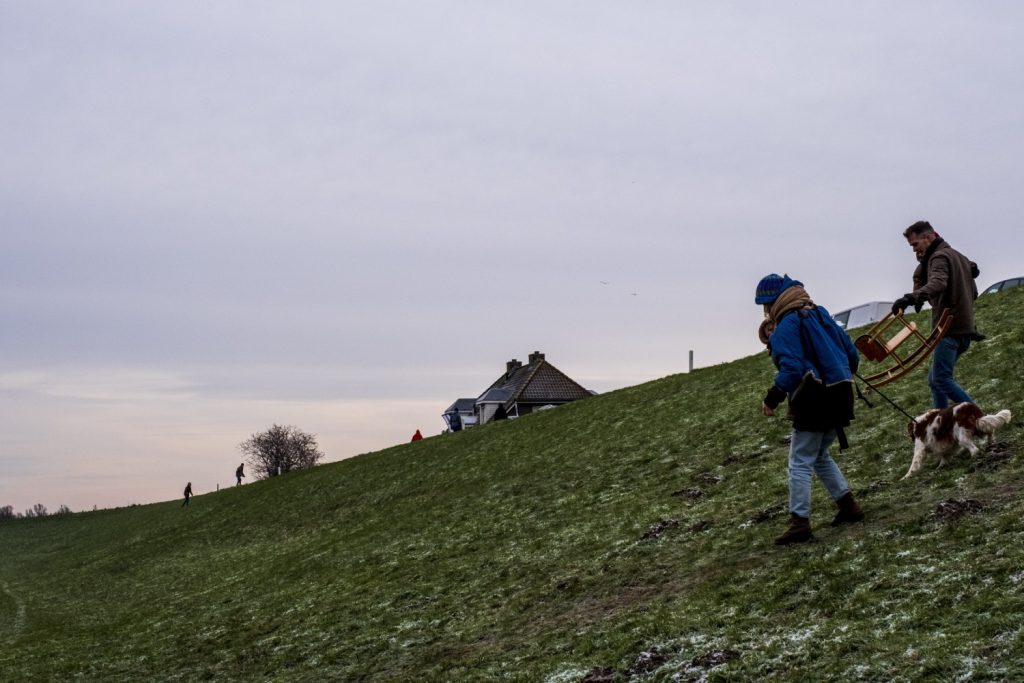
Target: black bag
818,408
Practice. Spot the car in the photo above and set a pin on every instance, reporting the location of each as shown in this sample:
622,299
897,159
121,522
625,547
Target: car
863,314
1003,285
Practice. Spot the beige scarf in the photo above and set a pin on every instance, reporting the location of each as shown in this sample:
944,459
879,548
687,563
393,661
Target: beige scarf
793,298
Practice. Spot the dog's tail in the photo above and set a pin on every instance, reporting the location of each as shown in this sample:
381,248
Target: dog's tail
990,423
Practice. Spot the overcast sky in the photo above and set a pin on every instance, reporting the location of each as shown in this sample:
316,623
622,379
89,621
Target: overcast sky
344,215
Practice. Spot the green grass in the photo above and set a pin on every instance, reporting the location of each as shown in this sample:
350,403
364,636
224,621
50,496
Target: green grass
517,552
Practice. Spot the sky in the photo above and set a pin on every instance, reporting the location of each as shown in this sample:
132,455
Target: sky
216,216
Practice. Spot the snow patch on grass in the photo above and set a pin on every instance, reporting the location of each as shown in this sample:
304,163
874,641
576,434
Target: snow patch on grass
567,676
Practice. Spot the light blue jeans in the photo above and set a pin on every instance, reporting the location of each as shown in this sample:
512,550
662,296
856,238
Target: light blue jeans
940,376
808,453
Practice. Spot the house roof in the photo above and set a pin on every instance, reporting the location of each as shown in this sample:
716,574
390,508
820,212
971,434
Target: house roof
463,405
539,382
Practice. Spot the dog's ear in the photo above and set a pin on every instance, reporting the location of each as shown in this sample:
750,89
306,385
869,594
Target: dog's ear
912,429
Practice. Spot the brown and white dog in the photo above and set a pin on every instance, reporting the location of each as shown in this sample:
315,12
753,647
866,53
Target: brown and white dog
943,432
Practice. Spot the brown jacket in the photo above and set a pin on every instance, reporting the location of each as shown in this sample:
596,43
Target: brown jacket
945,279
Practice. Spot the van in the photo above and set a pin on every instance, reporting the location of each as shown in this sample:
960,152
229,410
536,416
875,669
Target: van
863,314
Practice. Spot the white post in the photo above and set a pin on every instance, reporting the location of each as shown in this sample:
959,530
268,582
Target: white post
691,360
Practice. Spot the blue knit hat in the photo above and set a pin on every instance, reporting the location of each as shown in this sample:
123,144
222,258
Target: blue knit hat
771,286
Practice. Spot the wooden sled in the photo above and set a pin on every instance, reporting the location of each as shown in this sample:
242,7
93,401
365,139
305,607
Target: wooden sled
875,346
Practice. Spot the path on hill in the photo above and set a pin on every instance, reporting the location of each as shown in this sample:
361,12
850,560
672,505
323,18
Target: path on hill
19,613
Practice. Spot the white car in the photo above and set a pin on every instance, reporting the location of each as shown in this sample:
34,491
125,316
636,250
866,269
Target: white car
863,314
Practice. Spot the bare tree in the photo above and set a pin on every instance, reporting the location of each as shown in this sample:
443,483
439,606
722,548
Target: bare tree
37,510
279,450
7,512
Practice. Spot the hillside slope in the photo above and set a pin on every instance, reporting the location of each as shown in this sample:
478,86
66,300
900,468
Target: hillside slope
625,536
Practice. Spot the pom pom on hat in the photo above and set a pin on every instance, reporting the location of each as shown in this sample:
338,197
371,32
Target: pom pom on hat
771,286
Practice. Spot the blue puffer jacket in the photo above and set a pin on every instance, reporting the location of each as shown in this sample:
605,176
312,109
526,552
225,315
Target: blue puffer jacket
831,356
816,360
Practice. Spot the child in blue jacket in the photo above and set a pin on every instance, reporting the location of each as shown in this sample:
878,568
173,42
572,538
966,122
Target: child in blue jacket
816,360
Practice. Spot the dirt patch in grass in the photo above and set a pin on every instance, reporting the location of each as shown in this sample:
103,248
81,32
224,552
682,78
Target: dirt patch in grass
700,525
708,478
703,479
568,584
768,513
1008,490
714,658
874,487
659,528
699,667
952,509
646,662
734,458
599,674
995,456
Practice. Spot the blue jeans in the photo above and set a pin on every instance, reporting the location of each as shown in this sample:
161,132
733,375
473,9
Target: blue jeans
808,453
940,376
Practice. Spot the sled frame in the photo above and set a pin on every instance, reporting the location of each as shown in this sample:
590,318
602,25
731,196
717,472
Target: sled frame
877,347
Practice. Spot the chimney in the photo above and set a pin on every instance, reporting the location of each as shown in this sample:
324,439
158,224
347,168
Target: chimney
536,357
512,366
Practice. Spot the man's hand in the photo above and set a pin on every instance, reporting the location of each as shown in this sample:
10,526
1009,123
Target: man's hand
902,303
766,411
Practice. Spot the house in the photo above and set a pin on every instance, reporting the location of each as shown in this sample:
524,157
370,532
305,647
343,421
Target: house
519,391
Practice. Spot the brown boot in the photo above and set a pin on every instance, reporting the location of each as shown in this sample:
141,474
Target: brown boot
799,531
849,511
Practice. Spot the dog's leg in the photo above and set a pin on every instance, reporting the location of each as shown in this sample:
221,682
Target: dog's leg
963,437
915,464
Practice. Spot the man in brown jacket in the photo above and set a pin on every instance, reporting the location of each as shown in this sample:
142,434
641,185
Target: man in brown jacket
945,279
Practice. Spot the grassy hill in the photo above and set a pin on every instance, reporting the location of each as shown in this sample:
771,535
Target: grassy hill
627,536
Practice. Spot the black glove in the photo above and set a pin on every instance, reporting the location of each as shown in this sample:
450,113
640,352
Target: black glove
774,397
900,304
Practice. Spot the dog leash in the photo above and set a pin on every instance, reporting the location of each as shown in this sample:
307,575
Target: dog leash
871,386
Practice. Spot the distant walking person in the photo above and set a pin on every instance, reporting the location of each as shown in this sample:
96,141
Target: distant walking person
417,436
943,278
188,494
816,361
455,421
239,473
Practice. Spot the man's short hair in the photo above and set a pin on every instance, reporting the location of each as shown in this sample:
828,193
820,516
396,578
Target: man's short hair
918,228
